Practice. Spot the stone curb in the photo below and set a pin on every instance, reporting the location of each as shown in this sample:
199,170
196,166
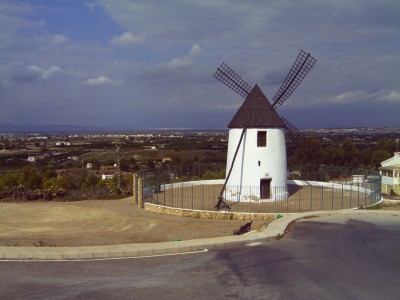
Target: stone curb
274,229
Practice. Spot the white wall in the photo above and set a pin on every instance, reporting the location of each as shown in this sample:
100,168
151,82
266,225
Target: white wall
255,163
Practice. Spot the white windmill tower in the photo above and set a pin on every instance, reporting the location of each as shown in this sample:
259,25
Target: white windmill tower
256,160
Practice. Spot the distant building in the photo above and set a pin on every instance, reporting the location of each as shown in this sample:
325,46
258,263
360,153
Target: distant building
32,159
63,143
150,147
74,157
390,172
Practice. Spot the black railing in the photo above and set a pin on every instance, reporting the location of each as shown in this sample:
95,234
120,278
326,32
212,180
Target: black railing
309,188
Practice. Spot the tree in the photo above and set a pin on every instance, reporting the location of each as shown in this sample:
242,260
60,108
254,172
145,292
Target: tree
91,184
9,180
366,157
309,152
75,181
56,183
387,145
335,156
29,178
379,156
49,173
351,153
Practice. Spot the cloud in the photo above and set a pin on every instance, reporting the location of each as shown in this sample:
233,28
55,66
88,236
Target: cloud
34,71
91,5
391,97
58,39
196,50
102,81
227,107
179,62
14,18
186,60
15,8
350,97
126,39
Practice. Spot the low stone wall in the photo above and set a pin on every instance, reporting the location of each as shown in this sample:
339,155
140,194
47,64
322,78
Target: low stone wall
204,214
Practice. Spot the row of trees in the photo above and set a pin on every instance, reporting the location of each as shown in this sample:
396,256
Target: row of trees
29,183
314,152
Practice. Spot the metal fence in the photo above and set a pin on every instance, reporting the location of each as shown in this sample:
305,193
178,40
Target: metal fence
180,173
310,188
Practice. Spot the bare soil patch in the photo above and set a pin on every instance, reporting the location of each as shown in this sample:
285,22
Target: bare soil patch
101,222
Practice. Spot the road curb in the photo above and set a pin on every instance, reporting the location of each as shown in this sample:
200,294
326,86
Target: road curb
274,229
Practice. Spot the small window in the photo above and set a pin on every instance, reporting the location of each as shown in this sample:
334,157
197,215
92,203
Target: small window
261,139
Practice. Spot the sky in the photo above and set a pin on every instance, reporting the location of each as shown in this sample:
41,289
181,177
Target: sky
127,64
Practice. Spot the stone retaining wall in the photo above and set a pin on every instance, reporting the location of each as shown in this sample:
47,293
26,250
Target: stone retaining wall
204,214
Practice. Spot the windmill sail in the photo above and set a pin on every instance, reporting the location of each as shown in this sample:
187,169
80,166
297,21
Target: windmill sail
228,77
292,132
303,64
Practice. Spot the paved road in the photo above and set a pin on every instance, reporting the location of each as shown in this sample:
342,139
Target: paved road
320,258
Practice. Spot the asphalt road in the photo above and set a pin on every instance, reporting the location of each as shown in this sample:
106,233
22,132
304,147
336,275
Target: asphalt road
320,258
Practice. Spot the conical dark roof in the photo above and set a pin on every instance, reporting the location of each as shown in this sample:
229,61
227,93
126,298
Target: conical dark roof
256,112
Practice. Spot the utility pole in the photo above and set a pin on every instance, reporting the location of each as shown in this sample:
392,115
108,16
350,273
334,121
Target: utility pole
118,146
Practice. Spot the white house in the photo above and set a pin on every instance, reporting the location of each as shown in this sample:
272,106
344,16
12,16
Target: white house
32,159
390,172
256,152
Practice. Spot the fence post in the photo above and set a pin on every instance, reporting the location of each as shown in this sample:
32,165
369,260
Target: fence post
164,192
172,194
351,194
140,192
287,201
365,195
322,200
342,197
182,191
299,191
135,188
202,196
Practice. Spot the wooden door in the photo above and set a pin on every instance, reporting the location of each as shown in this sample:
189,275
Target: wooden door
265,188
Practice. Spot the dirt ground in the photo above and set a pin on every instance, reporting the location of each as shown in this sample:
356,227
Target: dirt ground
101,222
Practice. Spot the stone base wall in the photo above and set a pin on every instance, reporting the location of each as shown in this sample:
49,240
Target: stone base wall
208,214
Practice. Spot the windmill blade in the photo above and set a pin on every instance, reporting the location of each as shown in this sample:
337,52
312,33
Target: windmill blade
292,132
303,64
228,77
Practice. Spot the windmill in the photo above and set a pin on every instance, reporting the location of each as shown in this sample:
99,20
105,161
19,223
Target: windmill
256,159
